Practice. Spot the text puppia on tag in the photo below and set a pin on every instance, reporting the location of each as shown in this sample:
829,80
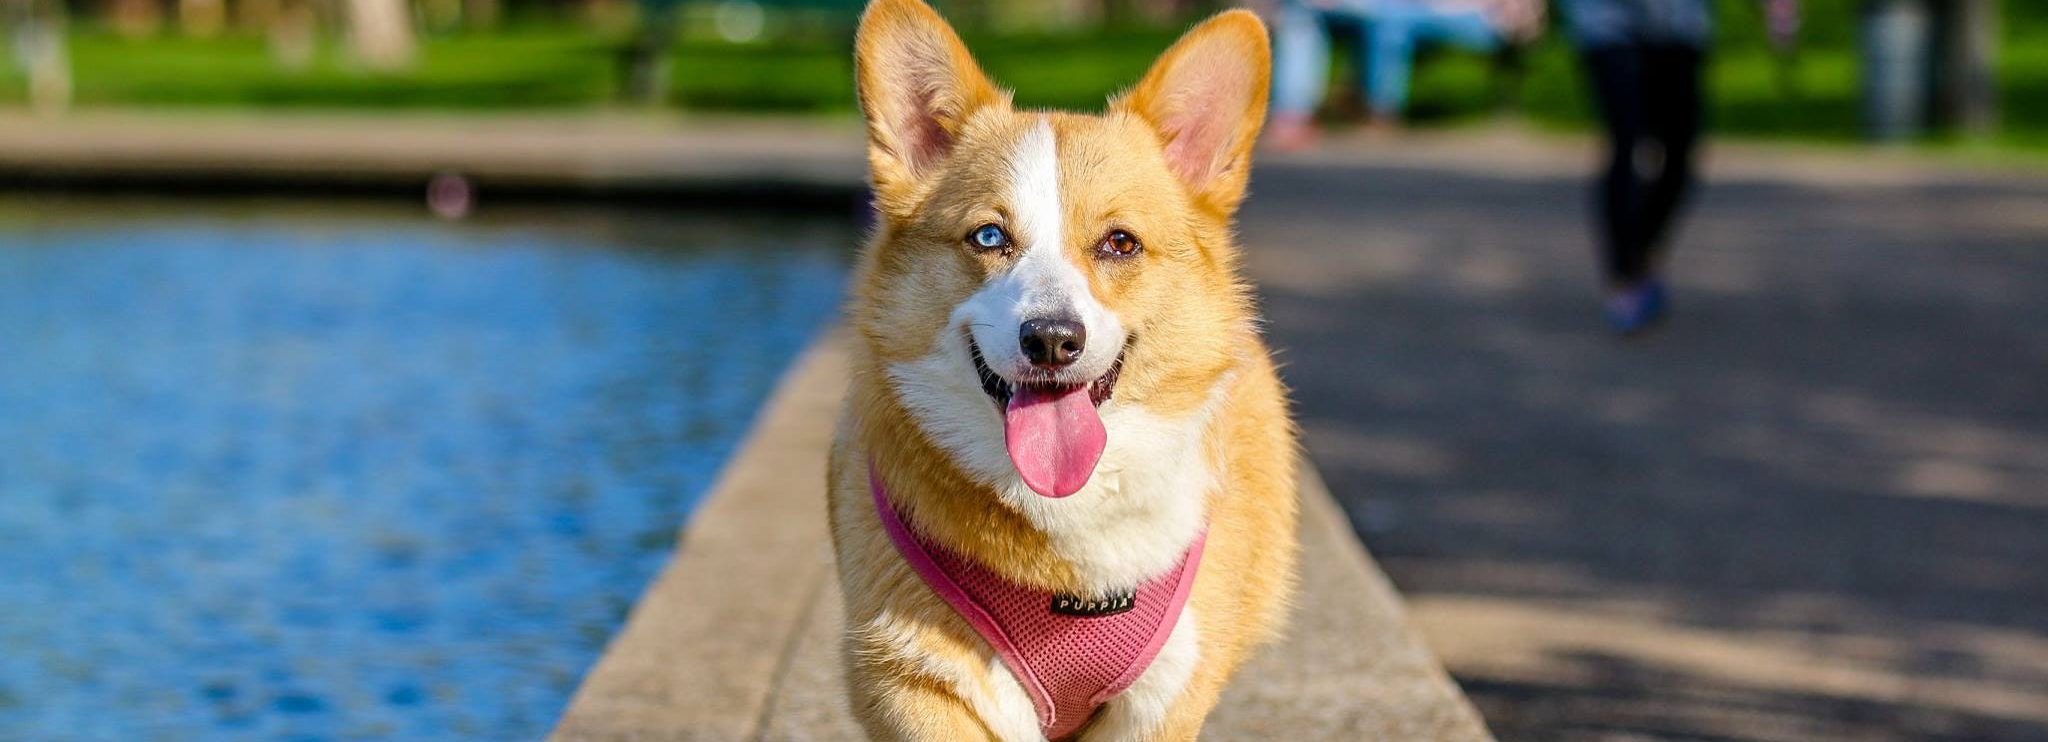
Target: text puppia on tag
1110,605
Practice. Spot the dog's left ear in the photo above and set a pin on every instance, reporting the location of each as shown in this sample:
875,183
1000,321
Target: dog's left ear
1207,99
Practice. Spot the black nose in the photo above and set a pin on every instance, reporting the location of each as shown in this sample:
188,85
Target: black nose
1052,343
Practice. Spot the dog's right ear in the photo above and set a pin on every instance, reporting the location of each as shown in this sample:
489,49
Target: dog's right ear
917,85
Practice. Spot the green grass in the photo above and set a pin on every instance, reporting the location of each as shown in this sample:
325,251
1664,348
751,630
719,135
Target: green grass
514,69
563,65
538,68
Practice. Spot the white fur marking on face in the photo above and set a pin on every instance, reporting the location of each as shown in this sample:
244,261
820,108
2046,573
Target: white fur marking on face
1140,709
1043,282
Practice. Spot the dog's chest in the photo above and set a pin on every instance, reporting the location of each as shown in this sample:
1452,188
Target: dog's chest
1070,654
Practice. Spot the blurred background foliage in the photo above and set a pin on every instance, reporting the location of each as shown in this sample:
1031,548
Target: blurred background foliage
793,56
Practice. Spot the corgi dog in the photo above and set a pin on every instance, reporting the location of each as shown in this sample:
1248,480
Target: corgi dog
1062,489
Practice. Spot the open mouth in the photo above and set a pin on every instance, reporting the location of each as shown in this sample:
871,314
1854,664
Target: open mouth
1001,390
1052,430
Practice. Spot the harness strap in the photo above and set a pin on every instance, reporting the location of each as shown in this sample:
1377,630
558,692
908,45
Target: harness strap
1071,657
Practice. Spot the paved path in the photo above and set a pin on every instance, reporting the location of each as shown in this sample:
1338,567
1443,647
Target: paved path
1815,508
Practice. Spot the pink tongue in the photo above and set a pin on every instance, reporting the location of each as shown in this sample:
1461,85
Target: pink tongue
1054,437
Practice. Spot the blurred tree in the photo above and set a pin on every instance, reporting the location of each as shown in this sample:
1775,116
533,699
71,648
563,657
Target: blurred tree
1966,91
968,15
480,14
1118,13
38,29
1125,13
446,15
440,15
381,33
135,18
646,64
1929,64
255,14
293,33
202,18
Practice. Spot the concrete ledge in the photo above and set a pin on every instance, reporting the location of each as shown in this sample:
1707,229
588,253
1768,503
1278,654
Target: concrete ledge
610,155
737,639
713,158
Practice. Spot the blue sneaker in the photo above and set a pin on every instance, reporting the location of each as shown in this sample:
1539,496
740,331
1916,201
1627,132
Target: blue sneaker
1655,302
1636,309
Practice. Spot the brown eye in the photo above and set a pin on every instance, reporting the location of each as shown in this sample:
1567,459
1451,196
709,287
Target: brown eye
1119,244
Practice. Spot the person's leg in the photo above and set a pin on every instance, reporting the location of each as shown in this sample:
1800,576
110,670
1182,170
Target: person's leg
1616,75
1301,72
1301,59
1395,33
1389,57
1671,79
1466,29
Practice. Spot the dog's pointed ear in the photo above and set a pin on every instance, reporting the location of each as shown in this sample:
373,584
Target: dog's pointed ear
918,85
1206,97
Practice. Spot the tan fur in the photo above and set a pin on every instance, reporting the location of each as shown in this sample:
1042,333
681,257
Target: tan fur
939,132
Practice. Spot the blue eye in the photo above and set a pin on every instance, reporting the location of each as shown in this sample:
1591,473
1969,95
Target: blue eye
989,237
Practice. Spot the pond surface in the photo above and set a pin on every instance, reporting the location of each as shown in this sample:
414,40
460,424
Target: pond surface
272,472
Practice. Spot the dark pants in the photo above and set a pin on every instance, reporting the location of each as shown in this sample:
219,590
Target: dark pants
1648,95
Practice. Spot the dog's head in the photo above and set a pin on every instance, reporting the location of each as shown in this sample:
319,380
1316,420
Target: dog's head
1034,271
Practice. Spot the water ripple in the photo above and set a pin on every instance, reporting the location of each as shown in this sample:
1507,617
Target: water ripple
358,482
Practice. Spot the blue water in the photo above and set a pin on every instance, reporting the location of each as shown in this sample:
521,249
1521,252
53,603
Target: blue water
360,478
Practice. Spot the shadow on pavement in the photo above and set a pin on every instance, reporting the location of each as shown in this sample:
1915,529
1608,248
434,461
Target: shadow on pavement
1812,508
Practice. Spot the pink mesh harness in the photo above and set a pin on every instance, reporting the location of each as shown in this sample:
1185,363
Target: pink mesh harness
1071,655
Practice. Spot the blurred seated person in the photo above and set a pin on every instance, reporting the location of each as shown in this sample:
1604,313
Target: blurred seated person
1389,32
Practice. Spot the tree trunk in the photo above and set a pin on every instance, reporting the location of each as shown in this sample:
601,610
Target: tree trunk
256,14
647,61
38,28
1967,89
135,18
202,18
382,34
480,14
293,34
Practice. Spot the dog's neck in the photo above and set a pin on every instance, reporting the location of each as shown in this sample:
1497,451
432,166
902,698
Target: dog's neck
1144,505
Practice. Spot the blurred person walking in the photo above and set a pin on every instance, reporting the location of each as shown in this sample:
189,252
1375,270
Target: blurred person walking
1389,32
1643,60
